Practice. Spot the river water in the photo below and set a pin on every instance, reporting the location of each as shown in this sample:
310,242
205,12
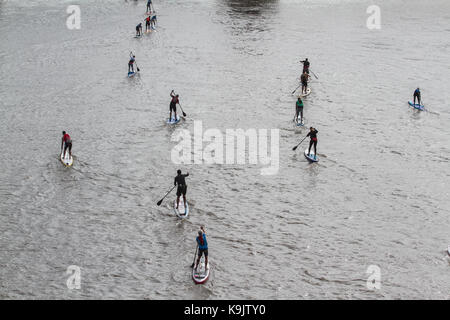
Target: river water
378,199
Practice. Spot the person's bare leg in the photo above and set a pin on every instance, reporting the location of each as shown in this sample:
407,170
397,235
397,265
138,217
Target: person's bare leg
206,263
178,201
184,199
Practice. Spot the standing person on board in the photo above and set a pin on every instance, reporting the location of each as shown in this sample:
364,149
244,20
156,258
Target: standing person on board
299,110
417,95
173,104
305,66
202,247
139,30
153,21
182,186
313,135
147,23
66,142
131,62
149,6
304,78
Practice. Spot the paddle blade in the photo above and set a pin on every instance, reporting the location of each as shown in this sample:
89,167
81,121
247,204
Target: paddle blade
294,148
184,114
159,202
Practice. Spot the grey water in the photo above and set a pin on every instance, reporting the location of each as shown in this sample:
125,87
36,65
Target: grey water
379,196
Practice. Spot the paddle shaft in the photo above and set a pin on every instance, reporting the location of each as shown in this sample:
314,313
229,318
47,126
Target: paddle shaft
299,143
195,256
160,201
296,88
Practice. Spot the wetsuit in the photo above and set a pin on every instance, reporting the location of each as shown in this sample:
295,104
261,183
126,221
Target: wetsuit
202,245
182,187
417,95
305,66
299,109
313,136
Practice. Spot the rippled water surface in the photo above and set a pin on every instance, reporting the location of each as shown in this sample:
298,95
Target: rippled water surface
379,195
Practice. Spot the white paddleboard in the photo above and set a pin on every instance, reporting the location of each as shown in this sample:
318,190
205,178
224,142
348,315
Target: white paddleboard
298,123
173,120
448,250
181,212
67,160
311,157
308,91
202,274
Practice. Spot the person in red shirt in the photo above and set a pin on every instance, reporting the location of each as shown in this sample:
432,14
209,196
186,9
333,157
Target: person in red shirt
66,141
147,23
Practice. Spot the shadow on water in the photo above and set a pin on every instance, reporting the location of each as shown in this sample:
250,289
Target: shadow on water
250,8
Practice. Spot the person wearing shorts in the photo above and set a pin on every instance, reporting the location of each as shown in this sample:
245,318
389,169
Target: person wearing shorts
180,180
202,247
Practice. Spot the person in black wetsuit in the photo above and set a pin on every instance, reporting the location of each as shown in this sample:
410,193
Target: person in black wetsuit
305,65
313,135
417,95
182,187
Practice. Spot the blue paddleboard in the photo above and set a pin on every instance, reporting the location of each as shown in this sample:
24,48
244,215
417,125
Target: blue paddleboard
173,120
416,106
311,157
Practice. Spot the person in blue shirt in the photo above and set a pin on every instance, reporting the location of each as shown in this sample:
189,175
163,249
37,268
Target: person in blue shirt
202,247
417,94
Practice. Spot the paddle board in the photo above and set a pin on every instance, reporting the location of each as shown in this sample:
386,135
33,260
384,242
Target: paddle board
308,91
312,157
202,274
67,160
181,212
173,120
298,123
416,106
131,74
448,250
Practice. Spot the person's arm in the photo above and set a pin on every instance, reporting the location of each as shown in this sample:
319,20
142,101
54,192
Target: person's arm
309,133
187,174
62,143
203,229
175,181
172,94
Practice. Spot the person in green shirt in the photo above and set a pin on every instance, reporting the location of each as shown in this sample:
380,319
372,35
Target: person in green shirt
299,110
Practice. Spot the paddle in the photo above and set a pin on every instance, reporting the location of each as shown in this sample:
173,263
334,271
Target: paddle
160,201
195,256
296,88
314,75
294,148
